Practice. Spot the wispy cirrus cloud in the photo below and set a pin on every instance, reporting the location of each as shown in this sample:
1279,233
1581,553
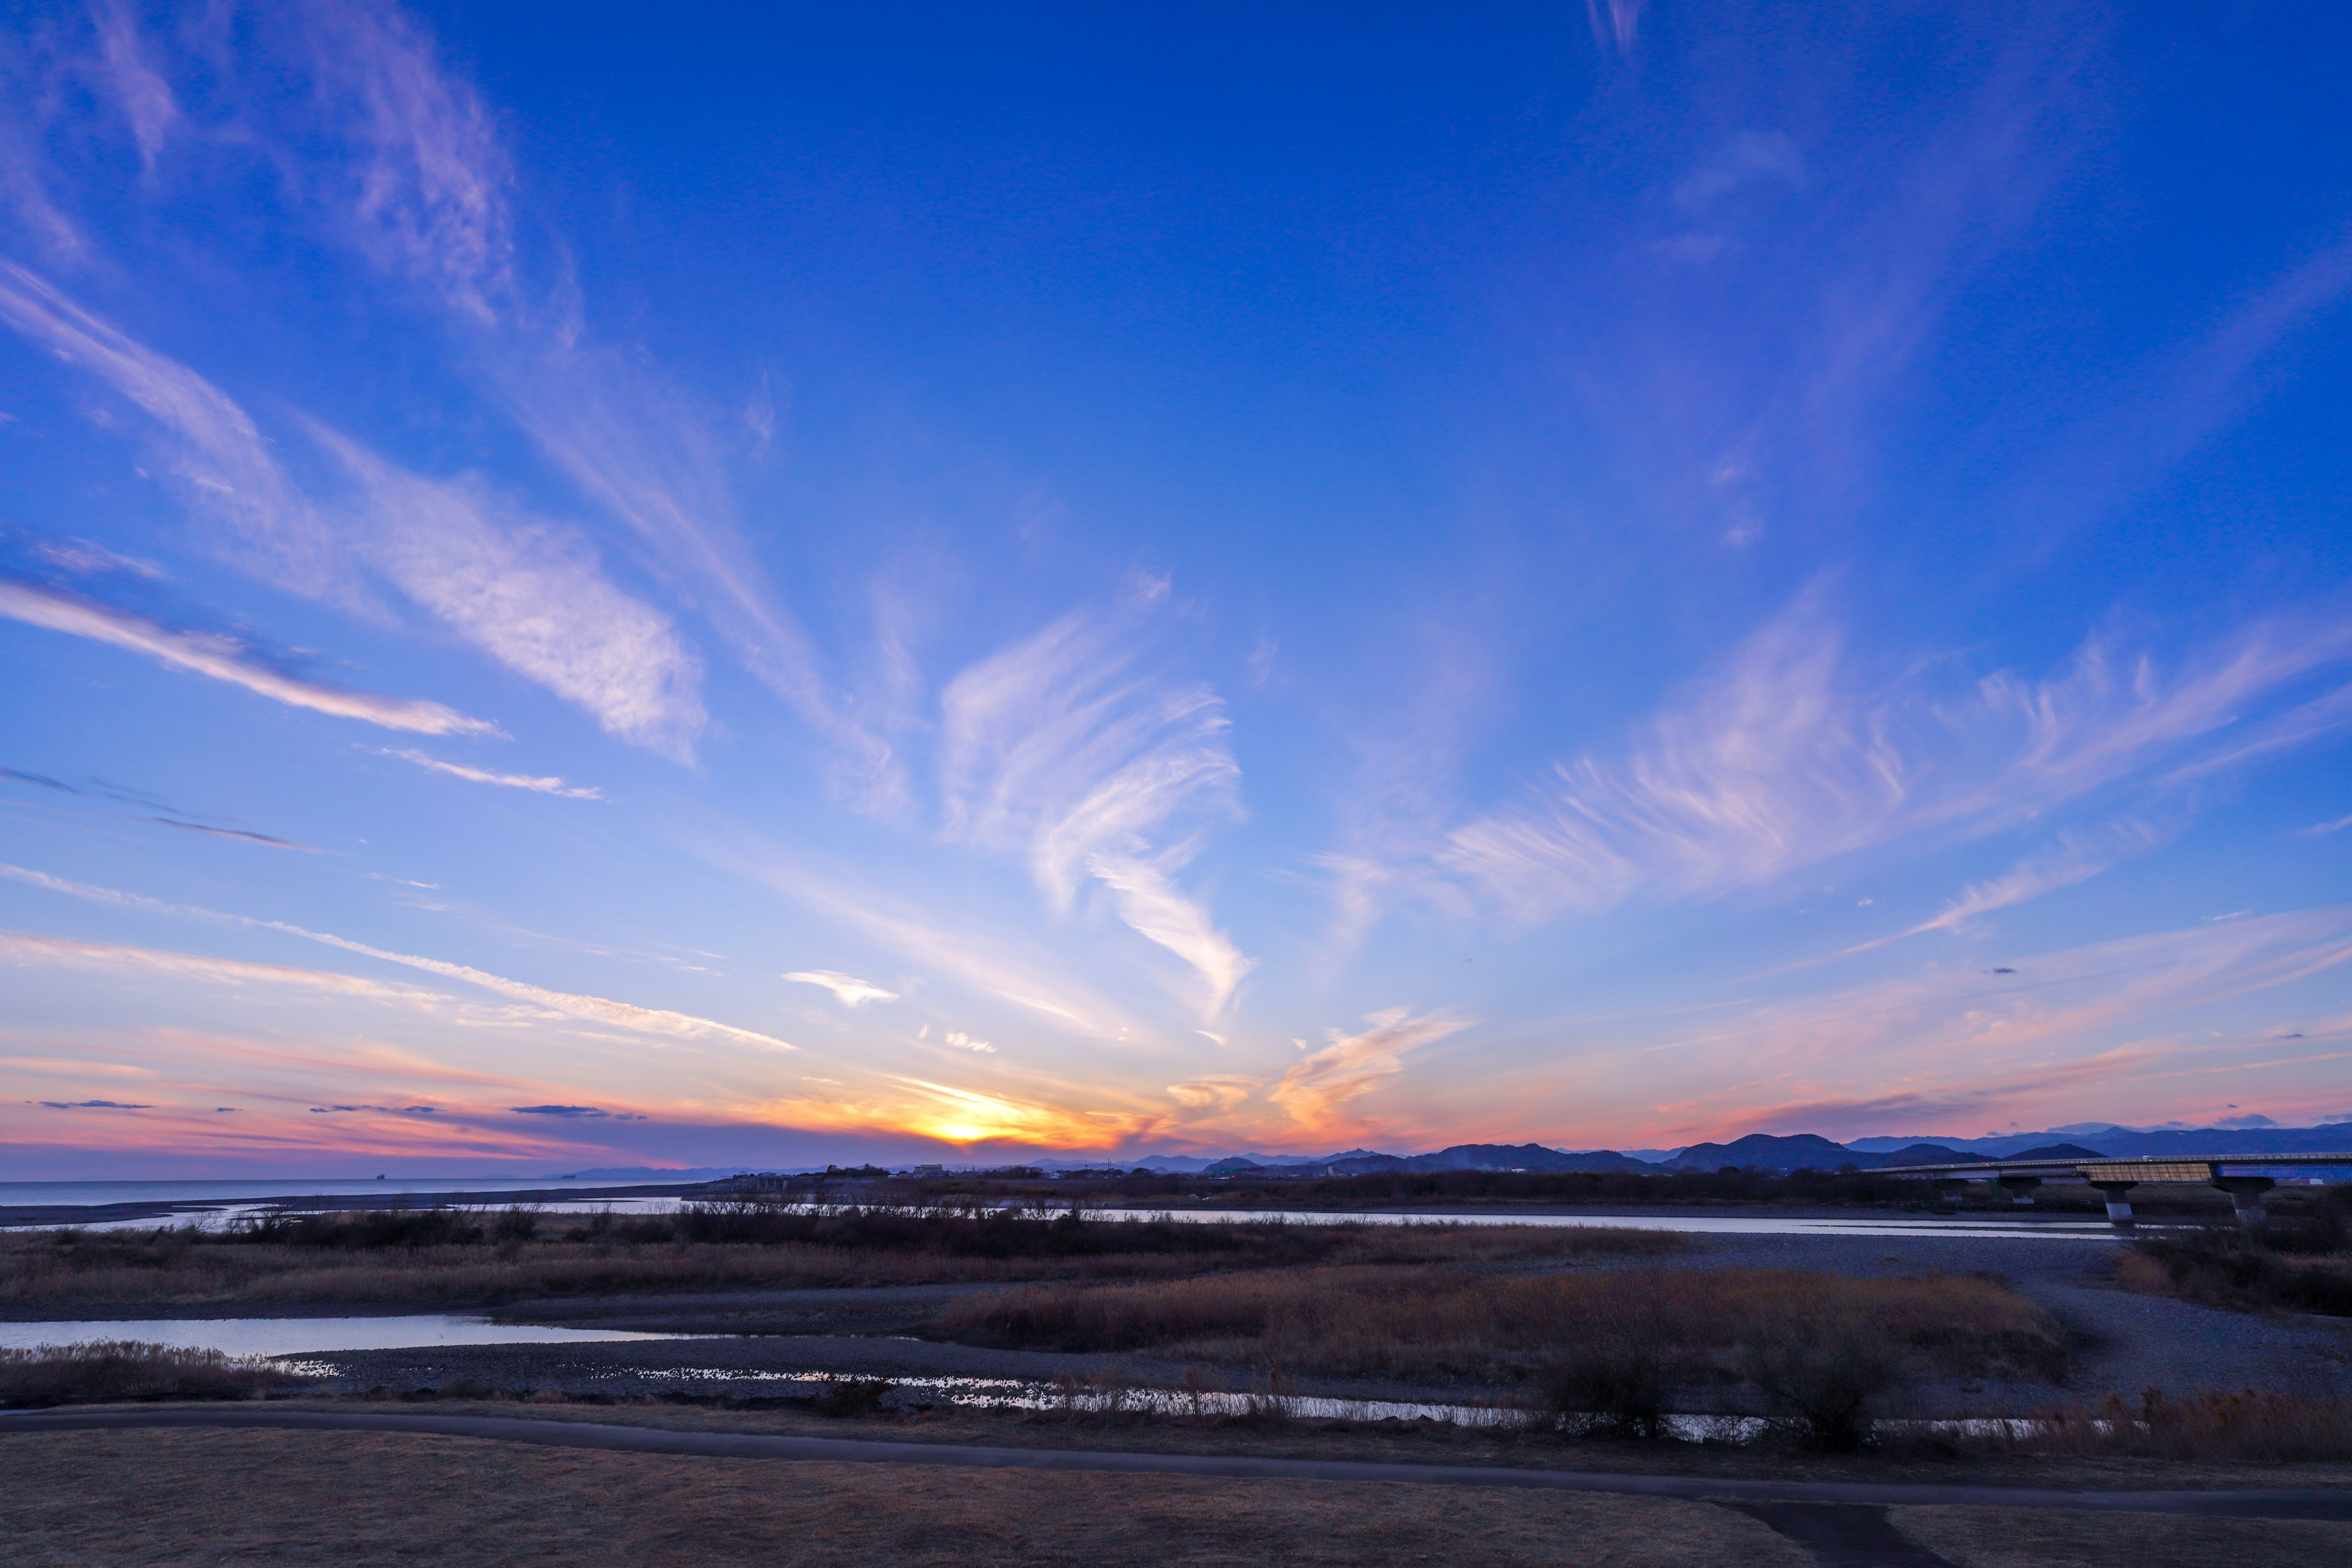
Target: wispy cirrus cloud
1616,24
504,781
1071,749
642,453
202,438
593,1009
847,989
223,659
1314,1092
2044,1018
350,112
526,591
426,189
1220,1092
57,952
239,834
1790,756
2076,859
421,183
987,964
126,75
531,594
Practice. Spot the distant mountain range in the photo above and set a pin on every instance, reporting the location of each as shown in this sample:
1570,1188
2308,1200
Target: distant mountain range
1794,1151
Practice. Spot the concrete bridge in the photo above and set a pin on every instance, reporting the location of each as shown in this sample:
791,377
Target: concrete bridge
2016,1179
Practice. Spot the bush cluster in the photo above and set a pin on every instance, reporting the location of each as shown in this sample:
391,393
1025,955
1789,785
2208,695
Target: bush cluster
2298,1262
127,1369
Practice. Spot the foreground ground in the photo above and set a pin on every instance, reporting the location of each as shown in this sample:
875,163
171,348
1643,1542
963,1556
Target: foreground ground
259,1496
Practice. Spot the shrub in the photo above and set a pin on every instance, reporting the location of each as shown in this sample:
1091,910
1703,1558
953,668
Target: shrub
851,1396
127,1369
2285,1267
1827,1374
1617,1378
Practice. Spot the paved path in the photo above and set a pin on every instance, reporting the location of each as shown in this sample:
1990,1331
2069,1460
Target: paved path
2276,1503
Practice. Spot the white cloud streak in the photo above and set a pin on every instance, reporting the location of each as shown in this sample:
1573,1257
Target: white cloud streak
504,781
595,1009
1067,749
532,596
423,187
210,445
1787,759
349,106
985,962
847,989
527,592
2077,860
223,658
24,948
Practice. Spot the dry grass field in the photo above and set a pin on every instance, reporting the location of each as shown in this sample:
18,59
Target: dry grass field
317,1499
2051,1538
186,1268
261,1498
1439,1324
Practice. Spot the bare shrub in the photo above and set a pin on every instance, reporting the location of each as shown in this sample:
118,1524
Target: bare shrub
846,1397
127,1369
2287,1266
1828,1375
1616,1380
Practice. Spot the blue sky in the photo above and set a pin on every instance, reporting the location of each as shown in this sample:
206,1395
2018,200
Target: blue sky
807,584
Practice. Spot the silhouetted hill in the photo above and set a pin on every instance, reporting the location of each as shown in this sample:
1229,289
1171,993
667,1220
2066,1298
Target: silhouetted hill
2058,1152
1764,1151
1520,1157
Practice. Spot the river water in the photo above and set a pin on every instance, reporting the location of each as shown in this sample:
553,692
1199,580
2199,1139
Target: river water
1699,1224
301,1336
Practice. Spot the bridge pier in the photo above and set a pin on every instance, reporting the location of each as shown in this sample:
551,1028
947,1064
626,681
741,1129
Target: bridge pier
2016,1189
2246,1197
2118,1197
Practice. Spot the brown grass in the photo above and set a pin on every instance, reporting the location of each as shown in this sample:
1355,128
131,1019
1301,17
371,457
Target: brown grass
258,1497
179,1268
1434,1322
2249,1425
2224,1269
2065,1538
124,1369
